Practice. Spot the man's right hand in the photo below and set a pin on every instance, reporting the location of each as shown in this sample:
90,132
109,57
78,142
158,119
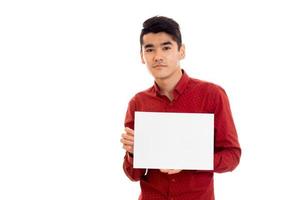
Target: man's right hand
127,139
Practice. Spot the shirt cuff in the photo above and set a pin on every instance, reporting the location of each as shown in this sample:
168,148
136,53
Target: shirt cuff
129,157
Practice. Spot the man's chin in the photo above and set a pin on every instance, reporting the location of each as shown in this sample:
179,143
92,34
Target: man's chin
160,77
159,74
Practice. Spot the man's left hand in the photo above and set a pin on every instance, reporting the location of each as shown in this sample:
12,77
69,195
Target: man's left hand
170,171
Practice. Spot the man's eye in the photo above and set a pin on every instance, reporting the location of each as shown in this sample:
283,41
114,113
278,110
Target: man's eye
166,48
149,50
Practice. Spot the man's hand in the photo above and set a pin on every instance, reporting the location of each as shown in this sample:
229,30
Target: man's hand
170,171
128,139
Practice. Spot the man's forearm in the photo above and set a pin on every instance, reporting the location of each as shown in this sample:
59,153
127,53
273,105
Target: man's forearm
226,159
132,174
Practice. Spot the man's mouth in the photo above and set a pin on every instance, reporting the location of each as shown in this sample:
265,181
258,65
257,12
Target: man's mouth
159,66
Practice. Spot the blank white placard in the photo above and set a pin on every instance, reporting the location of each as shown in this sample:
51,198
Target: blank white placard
165,140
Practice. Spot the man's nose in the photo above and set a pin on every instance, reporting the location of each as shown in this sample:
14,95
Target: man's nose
158,56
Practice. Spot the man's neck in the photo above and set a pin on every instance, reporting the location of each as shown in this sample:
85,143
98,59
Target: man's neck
167,85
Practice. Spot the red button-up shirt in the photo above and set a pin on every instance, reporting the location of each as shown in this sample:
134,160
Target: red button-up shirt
190,96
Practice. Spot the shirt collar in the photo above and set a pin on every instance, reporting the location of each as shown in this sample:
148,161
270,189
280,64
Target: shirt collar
180,86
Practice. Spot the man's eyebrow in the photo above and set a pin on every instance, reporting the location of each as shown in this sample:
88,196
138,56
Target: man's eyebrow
166,43
148,46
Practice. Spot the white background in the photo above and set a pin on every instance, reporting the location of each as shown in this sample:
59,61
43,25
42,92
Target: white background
69,68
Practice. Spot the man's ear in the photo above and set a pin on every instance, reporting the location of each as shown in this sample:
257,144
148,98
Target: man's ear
142,57
182,51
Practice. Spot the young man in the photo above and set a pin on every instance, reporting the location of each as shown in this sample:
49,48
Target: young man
175,91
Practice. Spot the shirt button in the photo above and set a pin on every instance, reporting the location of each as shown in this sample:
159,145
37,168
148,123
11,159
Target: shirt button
173,180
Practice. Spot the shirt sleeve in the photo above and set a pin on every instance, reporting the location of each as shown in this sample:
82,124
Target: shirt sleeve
227,151
131,173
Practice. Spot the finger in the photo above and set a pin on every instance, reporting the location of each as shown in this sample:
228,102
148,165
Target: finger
164,170
127,137
129,131
126,142
174,171
128,148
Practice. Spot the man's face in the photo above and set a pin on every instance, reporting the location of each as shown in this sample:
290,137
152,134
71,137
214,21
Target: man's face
161,55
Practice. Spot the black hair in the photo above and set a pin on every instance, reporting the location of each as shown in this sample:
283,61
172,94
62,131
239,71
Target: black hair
158,24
